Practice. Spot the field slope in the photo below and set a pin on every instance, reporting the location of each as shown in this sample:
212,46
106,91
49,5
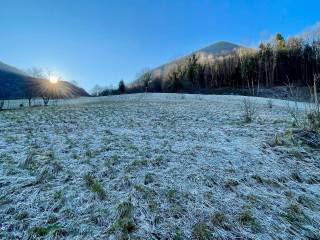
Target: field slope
156,166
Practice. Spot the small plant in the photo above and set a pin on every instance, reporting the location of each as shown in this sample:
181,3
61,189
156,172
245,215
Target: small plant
136,164
294,214
22,215
314,120
99,190
148,178
113,160
124,224
176,211
295,175
246,218
95,186
171,194
52,219
58,195
30,162
219,219
278,141
4,200
89,179
270,103
313,117
40,231
258,179
231,183
200,232
159,161
249,110
125,209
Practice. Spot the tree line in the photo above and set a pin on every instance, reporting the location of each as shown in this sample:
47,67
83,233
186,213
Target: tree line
277,62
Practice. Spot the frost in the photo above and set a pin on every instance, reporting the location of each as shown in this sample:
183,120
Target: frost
187,165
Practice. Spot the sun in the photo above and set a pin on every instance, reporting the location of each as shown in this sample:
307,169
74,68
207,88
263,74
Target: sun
53,79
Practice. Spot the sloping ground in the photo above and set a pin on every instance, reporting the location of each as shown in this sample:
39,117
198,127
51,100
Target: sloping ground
156,166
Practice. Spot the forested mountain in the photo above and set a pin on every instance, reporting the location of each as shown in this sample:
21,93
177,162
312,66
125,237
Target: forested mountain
277,62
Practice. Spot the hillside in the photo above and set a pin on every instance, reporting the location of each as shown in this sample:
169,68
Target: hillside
159,75
14,83
213,68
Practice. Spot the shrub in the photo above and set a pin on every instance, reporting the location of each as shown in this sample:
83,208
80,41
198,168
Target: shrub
249,109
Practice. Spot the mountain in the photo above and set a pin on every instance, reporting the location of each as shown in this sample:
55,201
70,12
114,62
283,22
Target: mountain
15,84
217,49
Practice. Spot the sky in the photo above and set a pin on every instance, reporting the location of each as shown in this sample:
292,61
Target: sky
103,41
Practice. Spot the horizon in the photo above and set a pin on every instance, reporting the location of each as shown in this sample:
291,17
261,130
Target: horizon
101,43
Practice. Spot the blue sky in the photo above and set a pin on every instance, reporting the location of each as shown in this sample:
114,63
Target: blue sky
103,41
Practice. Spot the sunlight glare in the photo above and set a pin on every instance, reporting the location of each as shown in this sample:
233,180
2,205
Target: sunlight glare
53,79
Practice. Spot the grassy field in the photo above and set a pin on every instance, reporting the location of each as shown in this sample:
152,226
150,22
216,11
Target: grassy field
156,166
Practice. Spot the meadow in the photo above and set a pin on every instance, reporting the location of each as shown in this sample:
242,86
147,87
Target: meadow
158,166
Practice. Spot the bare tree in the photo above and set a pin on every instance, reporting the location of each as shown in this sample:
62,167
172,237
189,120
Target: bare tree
314,115
46,91
32,86
145,78
1,103
96,90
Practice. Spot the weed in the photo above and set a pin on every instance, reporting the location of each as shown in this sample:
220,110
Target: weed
22,215
219,218
89,179
171,194
200,231
246,218
124,224
95,186
148,178
113,160
58,195
294,214
40,231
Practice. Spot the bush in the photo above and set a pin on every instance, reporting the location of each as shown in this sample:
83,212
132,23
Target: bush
314,120
249,109
1,104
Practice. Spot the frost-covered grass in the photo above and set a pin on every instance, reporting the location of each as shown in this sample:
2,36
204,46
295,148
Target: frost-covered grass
156,166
